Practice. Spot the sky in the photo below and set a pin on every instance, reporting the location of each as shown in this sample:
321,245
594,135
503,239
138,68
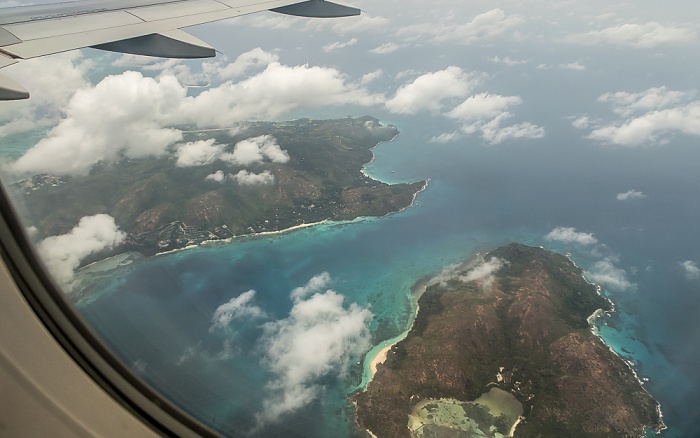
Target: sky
610,81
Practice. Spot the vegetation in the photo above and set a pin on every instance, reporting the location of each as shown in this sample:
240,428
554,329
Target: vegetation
530,328
162,206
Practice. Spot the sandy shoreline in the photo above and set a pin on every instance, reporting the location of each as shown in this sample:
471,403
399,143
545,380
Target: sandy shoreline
295,227
379,358
245,236
377,355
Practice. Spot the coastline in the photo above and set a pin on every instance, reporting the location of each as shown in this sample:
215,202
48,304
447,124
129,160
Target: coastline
363,170
379,359
378,355
107,265
598,314
594,327
312,224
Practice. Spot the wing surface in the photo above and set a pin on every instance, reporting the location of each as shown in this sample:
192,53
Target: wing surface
143,27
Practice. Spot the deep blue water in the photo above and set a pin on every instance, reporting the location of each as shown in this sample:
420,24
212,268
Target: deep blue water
156,313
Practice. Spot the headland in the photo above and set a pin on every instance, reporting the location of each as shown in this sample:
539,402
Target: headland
518,323
163,206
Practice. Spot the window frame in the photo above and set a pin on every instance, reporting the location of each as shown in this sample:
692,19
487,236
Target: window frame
79,341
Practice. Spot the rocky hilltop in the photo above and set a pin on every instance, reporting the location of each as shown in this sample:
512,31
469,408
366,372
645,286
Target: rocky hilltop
518,322
163,205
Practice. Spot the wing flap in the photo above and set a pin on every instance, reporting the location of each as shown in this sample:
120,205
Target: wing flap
11,90
318,9
173,44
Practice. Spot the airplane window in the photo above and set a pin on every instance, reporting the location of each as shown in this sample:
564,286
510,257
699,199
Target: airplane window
430,219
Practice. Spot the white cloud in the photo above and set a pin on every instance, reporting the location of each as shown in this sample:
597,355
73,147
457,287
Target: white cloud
266,21
314,285
691,270
655,98
494,133
483,27
629,195
246,178
582,122
249,62
317,340
372,126
605,273
31,231
271,150
640,36
483,106
122,114
485,113
648,117
577,66
51,81
428,91
168,67
255,150
507,61
277,90
134,61
246,152
62,254
652,127
198,153
229,349
217,176
570,235
445,137
448,273
235,308
385,48
339,45
371,76
484,273
406,73
130,115
252,60
356,25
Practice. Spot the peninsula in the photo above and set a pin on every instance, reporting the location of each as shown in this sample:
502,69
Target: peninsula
162,204
505,348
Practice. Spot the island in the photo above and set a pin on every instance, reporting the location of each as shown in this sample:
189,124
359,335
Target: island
504,347
316,174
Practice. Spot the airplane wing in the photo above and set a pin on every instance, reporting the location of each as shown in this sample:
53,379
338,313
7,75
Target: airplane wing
141,27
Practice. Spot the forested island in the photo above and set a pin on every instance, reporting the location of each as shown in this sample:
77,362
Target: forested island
505,348
267,176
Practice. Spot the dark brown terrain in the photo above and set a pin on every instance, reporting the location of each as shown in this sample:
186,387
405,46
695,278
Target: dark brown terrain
532,321
163,207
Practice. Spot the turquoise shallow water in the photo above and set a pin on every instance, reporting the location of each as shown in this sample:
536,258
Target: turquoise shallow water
157,313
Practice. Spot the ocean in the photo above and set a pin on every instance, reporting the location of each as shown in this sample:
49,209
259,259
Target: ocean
157,313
